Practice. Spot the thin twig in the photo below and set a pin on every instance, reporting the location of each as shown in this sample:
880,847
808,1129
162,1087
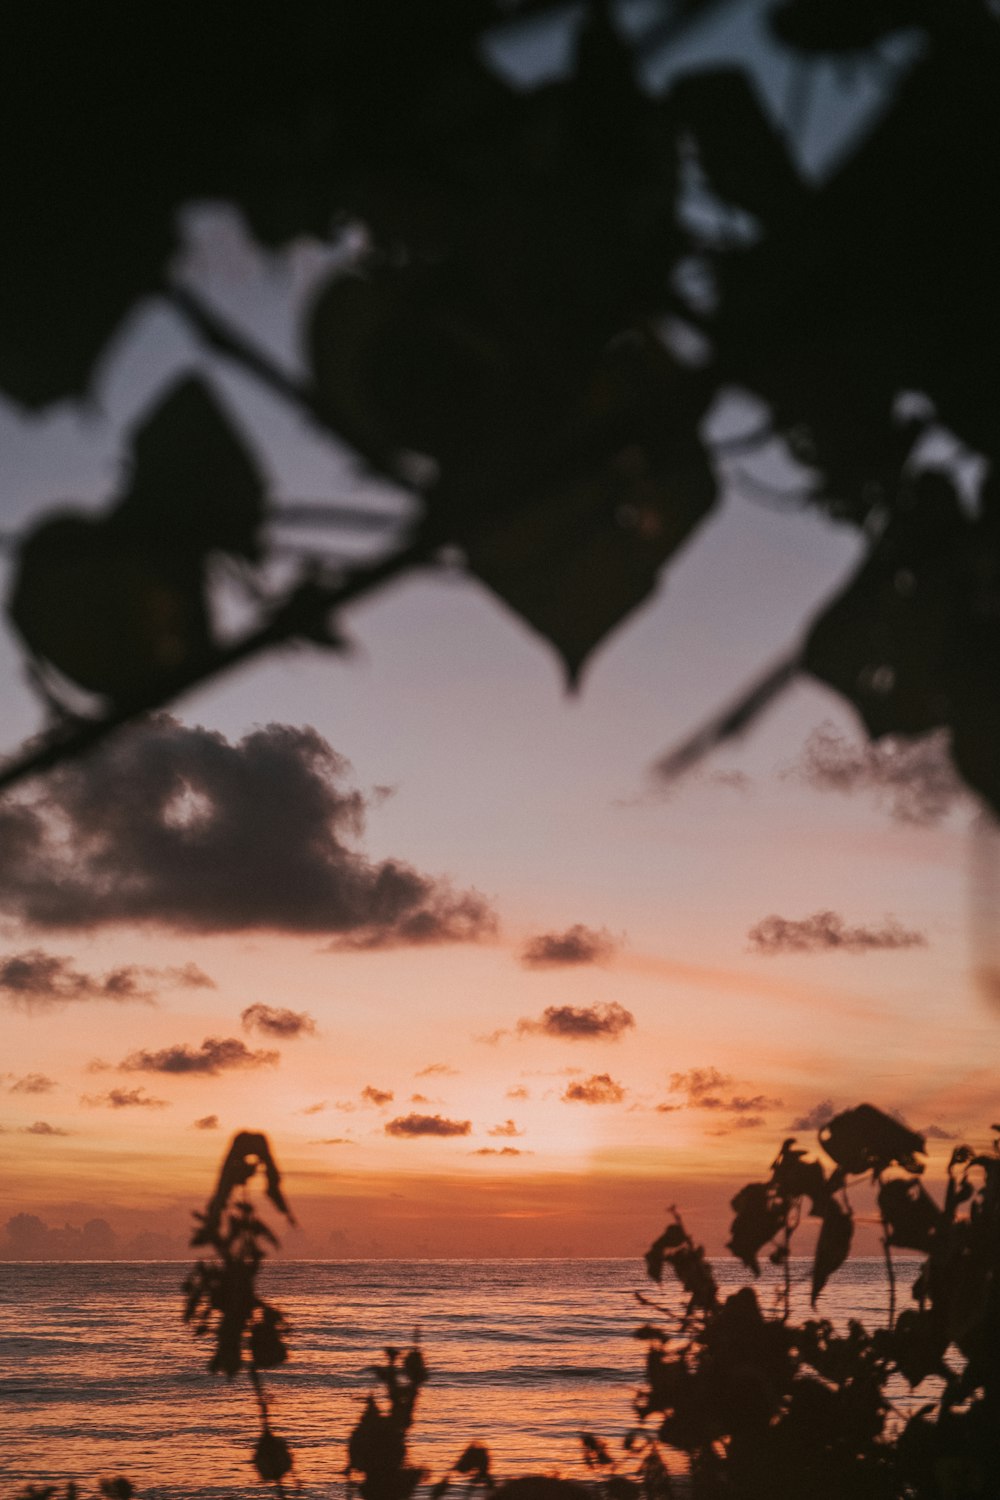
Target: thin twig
732,720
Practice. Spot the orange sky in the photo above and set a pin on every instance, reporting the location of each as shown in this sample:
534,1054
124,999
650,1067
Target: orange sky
474,768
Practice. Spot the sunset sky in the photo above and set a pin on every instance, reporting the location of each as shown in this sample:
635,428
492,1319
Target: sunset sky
488,984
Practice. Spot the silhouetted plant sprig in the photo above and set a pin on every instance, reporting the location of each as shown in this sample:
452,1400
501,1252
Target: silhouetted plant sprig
222,1300
767,1409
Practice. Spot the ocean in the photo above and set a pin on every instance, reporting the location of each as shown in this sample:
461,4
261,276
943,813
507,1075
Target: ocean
99,1376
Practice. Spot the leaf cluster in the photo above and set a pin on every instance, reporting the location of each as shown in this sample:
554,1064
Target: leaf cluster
500,347
764,1408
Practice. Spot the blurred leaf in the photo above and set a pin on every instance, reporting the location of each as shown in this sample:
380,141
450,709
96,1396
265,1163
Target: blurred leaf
864,1139
272,1456
844,25
832,1246
759,1217
910,1212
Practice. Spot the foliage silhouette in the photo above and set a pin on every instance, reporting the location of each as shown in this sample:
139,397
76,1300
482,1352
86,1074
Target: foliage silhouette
500,347
760,1407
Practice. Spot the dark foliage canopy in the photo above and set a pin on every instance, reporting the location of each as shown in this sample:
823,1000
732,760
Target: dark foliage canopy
499,349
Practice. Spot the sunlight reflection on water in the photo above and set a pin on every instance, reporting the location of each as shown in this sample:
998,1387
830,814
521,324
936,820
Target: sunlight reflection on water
99,1376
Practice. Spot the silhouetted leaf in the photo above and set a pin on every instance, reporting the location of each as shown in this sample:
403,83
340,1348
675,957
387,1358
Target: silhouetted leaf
844,25
918,1343
759,1217
912,1216
864,1139
833,1244
272,1456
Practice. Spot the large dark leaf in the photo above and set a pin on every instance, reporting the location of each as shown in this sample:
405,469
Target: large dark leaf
835,1235
910,1212
844,25
760,1215
865,1139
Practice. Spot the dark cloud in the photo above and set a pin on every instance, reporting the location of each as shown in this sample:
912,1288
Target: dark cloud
706,1088
914,779
826,931
180,828
518,1092
580,1023
377,1096
124,1099
599,1088
577,945
814,1119
36,980
207,1122
31,1083
742,1122
501,1151
217,1054
275,1020
507,1128
414,1125
441,1070
42,1127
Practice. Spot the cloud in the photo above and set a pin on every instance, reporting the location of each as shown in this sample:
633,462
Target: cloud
178,827
414,1125
42,1127
273,1020
441,1070
377,1096
31,1083
507,1128
705,1088
124,1099
216,1054
577,945
938,1133
313,1109
826,931
744,1122
36,980
599,1088
501,1151
334,1140
914,779
580,1023
207,1122
518,1092
814,1119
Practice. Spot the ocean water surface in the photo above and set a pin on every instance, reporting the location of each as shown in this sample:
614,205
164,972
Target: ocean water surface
99,1376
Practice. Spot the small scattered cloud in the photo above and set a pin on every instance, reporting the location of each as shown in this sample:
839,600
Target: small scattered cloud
376,1096
187,977
276,1021
313,1109
31,1083
826,932
35,980
259,834
42,1127
500,1151
422,1099
814,1119
579,1023
518,1092
124,1099
577,945
742,1122
437,1070
708,1089
334,1140
416,1125
507,1128
207,1122
938,1133
913,778
599,1088
215,1055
